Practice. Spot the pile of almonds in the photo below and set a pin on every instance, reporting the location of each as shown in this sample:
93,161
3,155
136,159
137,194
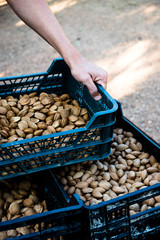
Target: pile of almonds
31,115
126,170
18,199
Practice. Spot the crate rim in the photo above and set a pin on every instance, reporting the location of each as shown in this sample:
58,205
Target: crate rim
123,197
43,215
24,75
115,105
139,214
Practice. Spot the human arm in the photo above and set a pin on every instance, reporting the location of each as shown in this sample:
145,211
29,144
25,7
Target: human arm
37,15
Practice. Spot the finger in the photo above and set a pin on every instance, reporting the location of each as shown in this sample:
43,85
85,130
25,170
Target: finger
102,83
92,88
102,80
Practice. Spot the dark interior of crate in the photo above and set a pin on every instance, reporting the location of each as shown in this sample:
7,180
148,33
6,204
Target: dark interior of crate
55,195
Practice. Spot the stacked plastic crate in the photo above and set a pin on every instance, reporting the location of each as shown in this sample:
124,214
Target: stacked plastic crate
67,217
39,154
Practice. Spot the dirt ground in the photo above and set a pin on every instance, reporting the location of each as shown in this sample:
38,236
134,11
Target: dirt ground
123,37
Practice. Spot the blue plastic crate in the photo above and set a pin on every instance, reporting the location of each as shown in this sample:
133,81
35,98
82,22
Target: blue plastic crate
111,219
61,219
95,138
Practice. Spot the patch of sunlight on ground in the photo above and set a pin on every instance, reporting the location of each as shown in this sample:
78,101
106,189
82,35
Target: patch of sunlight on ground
57,6
2,74
135,11
153,19
19,23
131,55
150,11
2,3
130,68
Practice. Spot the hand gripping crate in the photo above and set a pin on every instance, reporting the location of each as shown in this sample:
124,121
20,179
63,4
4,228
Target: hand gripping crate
91,142
61,219
111,220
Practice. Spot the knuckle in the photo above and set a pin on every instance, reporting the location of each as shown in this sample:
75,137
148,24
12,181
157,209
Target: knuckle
105,75
93,92
87,79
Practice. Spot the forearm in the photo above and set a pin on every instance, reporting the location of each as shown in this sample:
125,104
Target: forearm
37,15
